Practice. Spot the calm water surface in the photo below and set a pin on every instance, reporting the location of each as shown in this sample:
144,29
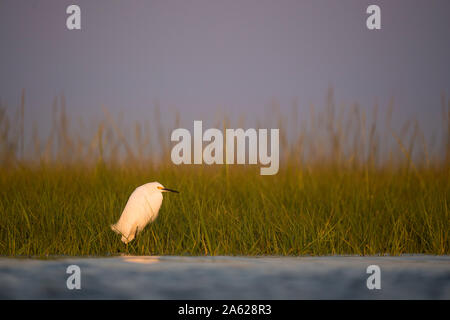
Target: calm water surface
173,277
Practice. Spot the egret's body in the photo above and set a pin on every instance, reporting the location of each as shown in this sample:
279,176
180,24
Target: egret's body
142,208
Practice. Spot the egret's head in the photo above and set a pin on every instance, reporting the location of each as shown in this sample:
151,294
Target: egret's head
160,188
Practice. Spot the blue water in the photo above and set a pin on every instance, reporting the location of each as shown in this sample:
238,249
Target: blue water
173,277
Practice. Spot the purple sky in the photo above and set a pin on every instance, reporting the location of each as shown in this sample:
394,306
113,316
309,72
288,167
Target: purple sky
197,56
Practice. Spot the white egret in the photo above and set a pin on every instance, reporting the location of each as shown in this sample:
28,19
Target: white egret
142,207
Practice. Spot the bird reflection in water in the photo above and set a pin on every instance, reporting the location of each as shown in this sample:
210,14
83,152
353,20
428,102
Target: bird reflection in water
141,259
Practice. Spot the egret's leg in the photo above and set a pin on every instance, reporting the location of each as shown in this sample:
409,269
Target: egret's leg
136,232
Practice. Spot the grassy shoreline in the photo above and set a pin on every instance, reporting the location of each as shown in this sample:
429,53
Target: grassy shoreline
67,210
347,184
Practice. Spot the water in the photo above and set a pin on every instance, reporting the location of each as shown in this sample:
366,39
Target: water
173,277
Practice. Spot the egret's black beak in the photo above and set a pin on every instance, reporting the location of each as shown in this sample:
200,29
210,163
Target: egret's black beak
170,190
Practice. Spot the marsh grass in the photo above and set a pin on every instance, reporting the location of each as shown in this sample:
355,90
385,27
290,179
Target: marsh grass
338,191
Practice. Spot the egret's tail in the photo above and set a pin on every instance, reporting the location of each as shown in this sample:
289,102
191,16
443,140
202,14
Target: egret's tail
124,239
114,228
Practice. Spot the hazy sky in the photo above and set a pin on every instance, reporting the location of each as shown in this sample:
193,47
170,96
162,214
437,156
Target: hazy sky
237,55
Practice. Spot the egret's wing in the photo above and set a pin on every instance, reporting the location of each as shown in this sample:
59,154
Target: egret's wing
126,226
